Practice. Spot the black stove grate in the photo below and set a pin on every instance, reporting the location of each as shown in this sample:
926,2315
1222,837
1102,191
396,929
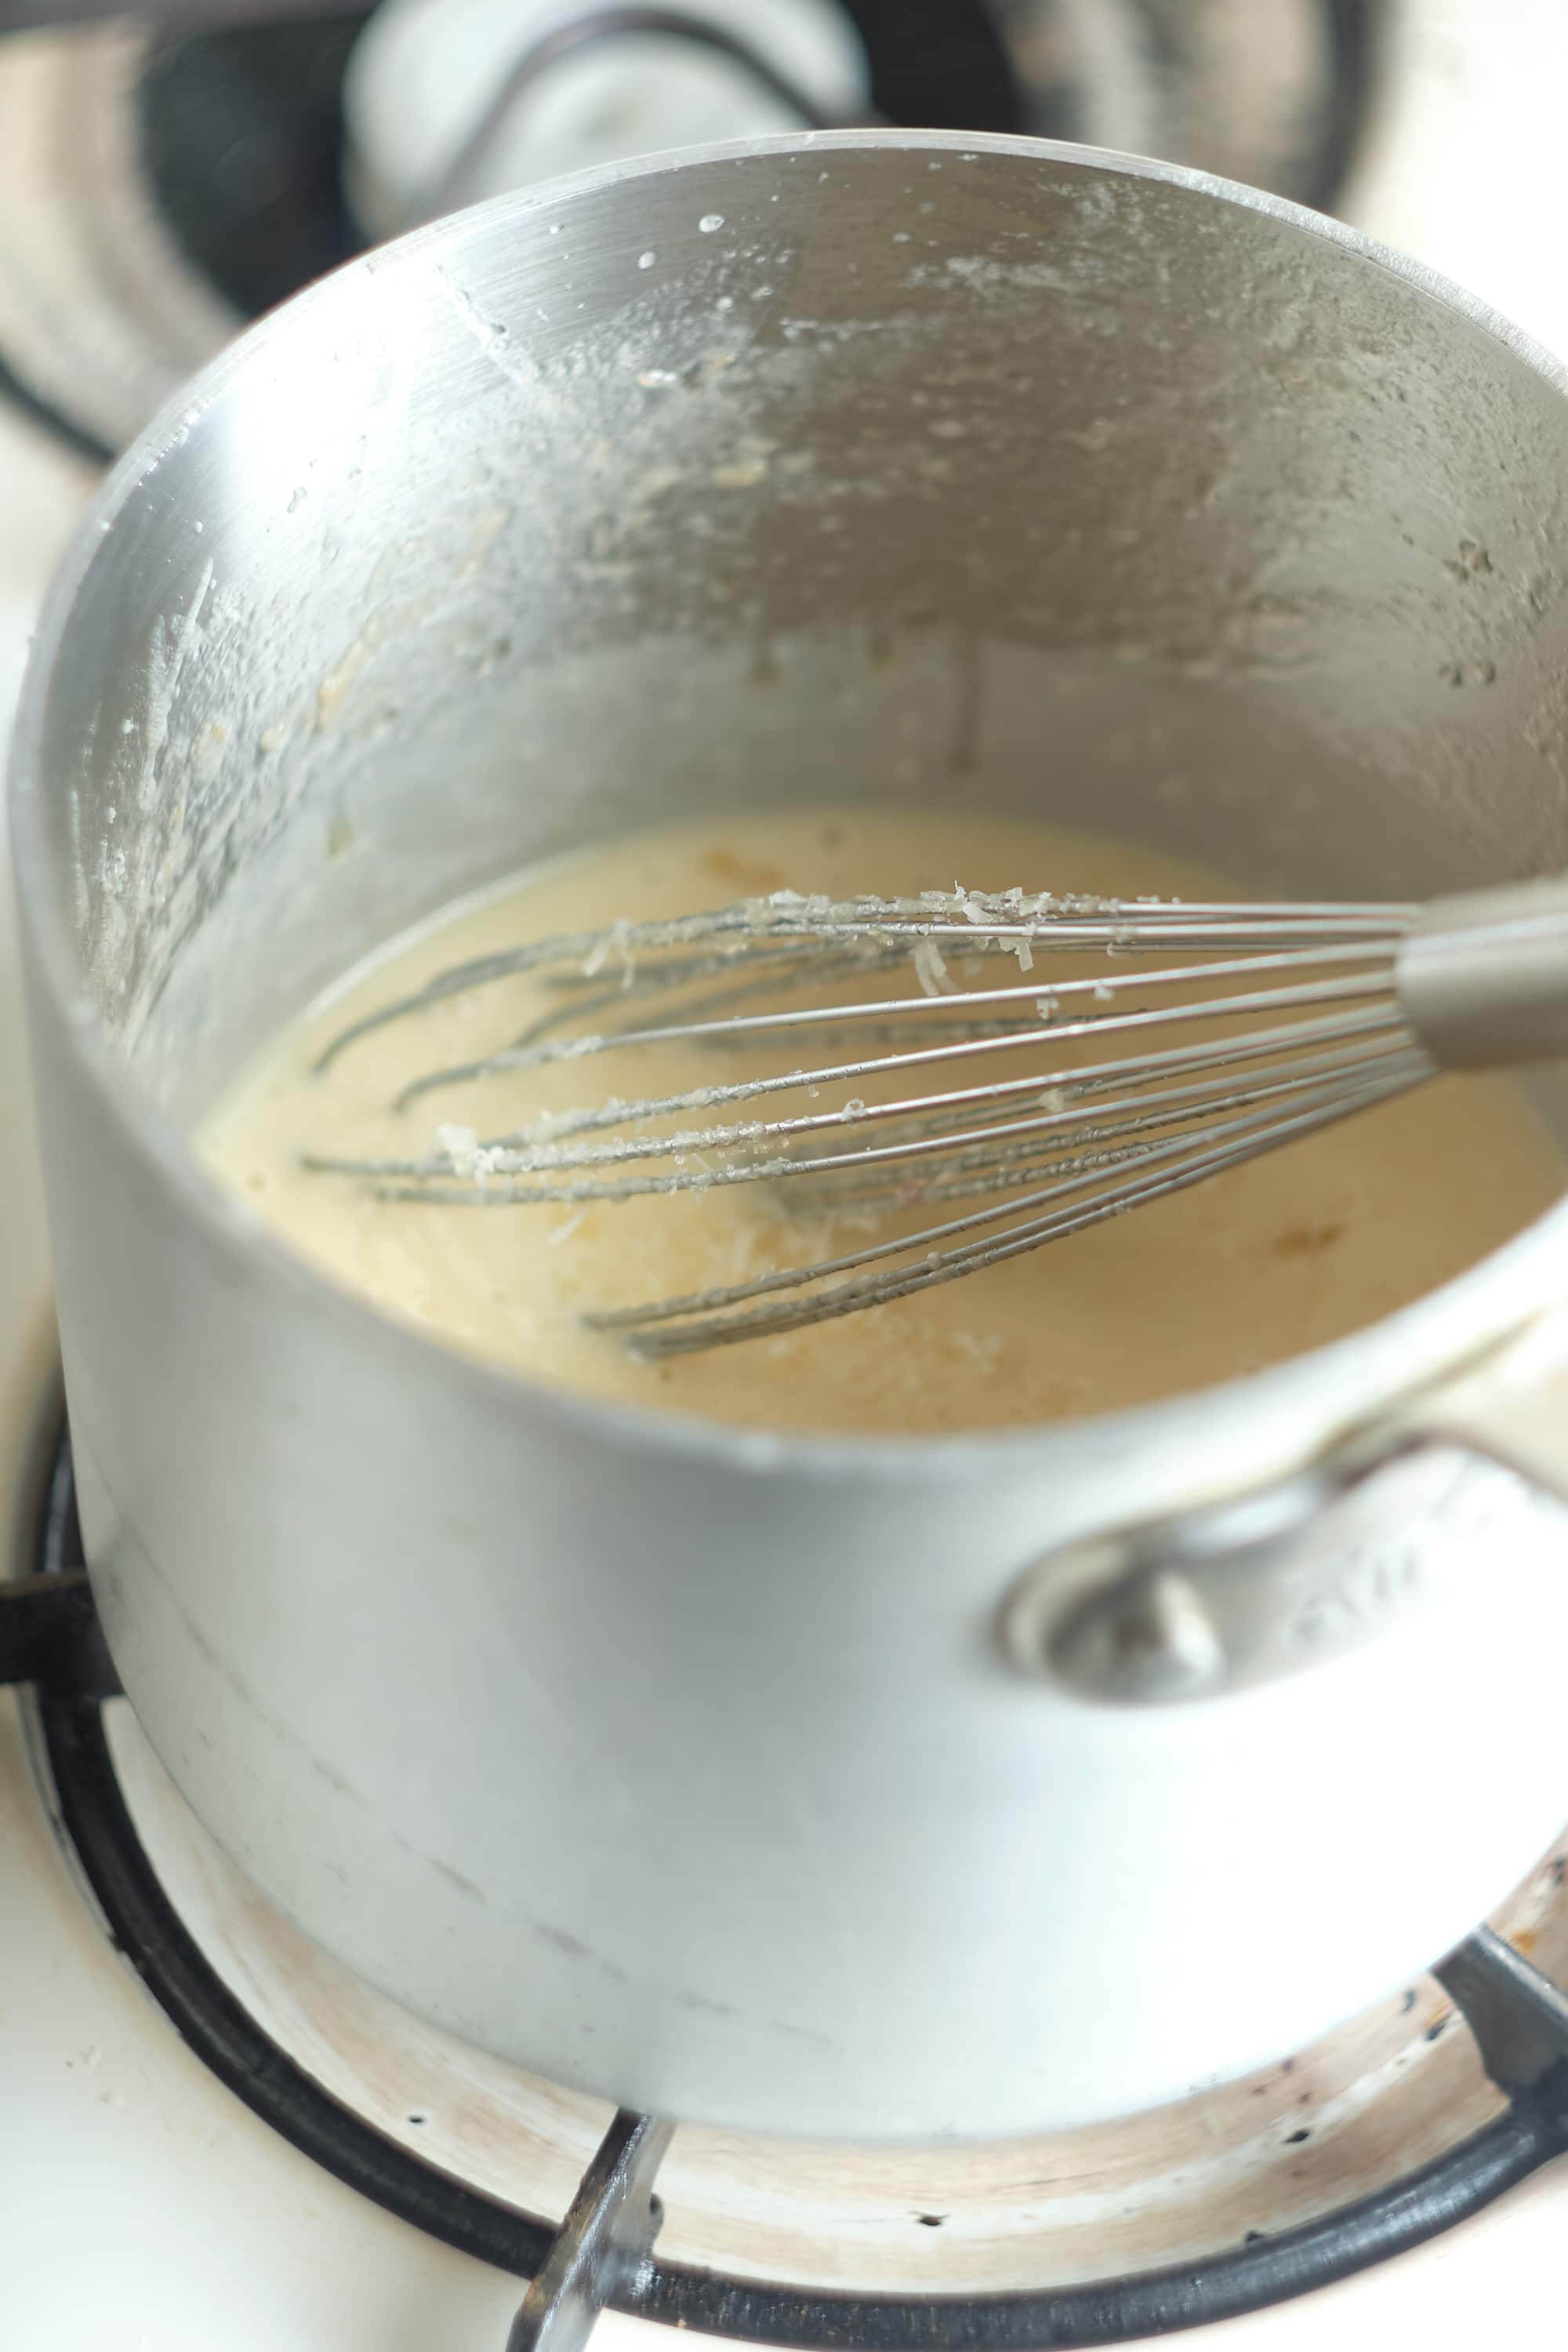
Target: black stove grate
241,136
49,1637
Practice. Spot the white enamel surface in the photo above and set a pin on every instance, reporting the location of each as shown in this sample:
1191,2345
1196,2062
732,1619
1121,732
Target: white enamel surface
207,2230
41,493
423,72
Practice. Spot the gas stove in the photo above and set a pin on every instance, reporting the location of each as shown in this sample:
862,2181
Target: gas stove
220,2138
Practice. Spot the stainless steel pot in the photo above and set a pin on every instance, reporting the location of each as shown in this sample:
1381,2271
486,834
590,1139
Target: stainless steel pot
860,1789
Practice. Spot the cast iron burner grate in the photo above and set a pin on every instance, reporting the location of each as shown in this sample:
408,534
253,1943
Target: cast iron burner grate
601,2255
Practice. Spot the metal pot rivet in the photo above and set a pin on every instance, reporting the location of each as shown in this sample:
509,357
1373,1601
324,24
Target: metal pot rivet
1153,1637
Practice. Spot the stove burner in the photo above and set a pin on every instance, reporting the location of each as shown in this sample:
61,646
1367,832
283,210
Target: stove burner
596,2258
157,190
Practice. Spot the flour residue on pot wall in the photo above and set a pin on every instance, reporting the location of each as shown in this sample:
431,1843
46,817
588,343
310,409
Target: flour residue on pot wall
765,438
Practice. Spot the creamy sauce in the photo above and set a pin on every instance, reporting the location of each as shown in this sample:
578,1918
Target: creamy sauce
1280,1255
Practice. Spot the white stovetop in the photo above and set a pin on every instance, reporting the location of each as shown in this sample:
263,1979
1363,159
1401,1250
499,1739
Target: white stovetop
143,2206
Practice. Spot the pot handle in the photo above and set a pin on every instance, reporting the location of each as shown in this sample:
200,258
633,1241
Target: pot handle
1258,1585
1509,1405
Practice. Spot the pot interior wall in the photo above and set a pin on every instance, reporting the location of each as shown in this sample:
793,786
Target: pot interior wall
809,475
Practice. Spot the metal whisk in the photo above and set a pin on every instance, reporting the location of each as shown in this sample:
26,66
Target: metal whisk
1051,1104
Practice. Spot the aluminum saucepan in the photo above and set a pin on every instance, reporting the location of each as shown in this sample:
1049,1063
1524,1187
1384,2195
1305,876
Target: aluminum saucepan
842,1788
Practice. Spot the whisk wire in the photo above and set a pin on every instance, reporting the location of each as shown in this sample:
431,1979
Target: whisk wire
1326,1101
1304,1006
709,1330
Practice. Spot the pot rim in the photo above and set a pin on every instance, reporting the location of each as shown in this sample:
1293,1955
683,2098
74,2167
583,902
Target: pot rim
1288,1410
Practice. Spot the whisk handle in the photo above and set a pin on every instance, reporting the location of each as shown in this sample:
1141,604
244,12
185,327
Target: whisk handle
1482,978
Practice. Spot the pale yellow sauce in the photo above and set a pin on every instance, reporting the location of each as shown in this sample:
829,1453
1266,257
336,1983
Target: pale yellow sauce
1262,1262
